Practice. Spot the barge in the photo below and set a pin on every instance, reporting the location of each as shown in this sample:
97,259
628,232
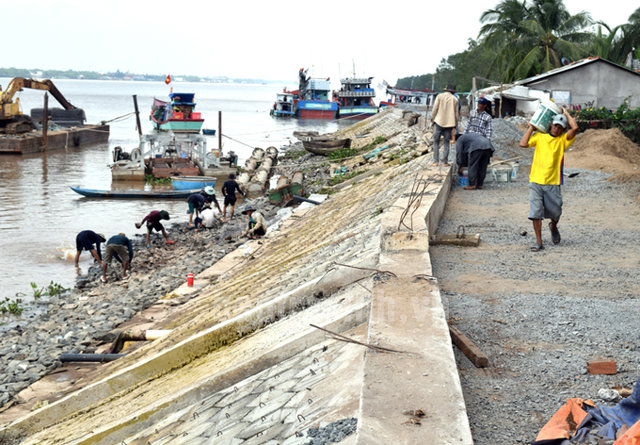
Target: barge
33,142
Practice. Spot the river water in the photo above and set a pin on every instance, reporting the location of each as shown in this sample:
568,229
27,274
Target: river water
40,216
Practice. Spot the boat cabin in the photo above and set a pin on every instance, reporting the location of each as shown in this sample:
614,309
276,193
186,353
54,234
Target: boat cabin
356,92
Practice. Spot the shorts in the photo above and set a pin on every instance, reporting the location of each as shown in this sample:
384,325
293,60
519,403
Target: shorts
82,243
118,250
191,208
157,226
545,201
230,200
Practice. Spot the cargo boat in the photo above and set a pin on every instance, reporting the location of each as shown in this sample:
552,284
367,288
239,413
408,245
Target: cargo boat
355,98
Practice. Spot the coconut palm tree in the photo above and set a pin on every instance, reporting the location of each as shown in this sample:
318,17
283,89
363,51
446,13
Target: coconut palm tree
534,35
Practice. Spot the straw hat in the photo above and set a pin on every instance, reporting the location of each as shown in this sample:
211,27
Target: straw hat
248,209
209,190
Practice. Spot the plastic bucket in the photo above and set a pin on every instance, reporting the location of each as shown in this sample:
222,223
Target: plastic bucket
463,179
544,115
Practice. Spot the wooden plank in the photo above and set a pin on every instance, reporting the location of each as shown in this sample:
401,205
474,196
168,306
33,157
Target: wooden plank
466,240
607,367
472,352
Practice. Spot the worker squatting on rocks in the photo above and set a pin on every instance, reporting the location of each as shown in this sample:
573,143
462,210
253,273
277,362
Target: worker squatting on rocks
198,200
257,226
229,192
85,241
474,152
445,117
545,179
153,223
120,248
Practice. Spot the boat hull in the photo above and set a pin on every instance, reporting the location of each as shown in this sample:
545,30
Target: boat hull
192,182
360,112
316,109
325,147
135,194
182,125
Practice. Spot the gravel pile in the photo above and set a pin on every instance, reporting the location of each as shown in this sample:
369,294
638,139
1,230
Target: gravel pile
333,432
541,316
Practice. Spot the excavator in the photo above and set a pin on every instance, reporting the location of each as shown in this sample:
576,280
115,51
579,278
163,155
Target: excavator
12,121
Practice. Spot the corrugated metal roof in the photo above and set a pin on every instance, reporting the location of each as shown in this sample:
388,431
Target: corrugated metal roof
562,69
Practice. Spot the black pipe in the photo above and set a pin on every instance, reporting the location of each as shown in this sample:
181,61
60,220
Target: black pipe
300,198
90,357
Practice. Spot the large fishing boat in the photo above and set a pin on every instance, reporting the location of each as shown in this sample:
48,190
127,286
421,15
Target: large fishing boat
355,98
178,115
314,101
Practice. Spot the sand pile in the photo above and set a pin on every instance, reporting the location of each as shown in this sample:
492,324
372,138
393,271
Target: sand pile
606,150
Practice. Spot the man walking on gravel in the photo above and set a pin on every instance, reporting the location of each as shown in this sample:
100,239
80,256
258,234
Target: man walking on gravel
545,197
445,117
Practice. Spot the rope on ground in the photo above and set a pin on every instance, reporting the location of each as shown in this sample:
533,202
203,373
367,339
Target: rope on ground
384,272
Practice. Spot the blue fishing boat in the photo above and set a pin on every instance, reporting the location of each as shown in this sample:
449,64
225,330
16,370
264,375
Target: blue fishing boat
283,106
192,182
314,101
135,194
355,98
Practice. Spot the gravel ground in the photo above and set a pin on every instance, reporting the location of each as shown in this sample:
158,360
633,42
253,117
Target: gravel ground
540,316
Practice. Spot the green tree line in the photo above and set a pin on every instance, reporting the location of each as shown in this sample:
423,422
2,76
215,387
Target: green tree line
519,39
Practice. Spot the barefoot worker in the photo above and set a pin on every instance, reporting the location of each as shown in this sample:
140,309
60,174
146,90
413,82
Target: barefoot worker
120,248
229,192
257,225
545,197
153,223
85,241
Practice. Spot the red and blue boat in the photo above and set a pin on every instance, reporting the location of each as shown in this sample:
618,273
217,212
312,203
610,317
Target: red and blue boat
178,116
314,99
355,98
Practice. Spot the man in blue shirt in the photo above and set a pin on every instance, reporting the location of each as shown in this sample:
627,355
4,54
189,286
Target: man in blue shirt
118,246
474,151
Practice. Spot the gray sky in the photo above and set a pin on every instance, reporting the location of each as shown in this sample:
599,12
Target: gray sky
256,39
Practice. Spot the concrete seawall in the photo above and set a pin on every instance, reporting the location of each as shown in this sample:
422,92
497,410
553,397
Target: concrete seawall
243,365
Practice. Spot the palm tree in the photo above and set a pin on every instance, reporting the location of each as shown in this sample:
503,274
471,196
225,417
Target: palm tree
534,36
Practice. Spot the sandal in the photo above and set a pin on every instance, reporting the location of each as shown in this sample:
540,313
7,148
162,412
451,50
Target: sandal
537,247
555,234
170,242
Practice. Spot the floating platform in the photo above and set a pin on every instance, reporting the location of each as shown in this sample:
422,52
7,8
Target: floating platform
60,139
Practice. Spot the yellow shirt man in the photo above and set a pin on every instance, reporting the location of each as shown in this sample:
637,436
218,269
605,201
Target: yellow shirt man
546,167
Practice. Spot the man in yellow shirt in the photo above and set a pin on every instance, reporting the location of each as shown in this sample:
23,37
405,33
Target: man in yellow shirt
545,197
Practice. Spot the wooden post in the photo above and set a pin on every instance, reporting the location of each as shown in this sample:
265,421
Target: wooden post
45,121
220,132
500,112
135,107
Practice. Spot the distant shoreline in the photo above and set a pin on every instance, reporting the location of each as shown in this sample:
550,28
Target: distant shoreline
92,75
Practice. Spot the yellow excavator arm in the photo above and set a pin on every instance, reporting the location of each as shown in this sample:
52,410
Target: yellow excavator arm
10,108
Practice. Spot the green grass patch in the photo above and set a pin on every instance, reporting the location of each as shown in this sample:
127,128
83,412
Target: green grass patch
150,179
342,154
341,178
294,154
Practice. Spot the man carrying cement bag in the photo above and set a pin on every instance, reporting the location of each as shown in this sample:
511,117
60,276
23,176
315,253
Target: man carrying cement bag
545,197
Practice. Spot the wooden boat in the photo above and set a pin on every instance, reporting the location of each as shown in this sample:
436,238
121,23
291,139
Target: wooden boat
305,135
135,194
192,182
325,146
209,131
